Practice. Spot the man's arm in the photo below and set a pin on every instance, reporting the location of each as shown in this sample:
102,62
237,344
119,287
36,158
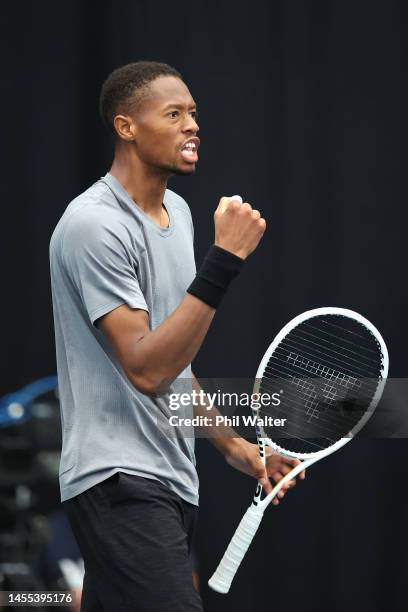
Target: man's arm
152,359
243,455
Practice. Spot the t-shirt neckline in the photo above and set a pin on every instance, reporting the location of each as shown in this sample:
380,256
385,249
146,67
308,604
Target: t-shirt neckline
120,193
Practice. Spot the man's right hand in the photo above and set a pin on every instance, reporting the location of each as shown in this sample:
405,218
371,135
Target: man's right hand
238,227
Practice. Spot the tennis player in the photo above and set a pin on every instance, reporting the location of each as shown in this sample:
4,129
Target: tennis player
130,314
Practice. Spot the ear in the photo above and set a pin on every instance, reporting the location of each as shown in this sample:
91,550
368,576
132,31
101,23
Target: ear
125,127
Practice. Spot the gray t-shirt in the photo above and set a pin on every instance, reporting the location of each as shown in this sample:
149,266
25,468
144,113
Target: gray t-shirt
105,252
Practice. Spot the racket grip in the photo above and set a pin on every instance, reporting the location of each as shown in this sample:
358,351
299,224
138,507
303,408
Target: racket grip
223,576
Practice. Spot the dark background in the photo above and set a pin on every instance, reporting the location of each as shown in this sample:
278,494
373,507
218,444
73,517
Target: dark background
303,111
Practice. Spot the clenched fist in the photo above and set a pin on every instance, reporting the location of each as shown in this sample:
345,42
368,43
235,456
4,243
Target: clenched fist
238,227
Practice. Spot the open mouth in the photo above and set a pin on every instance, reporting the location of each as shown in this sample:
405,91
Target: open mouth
189,151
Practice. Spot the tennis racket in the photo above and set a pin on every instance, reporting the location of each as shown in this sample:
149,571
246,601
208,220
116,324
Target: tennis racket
329,366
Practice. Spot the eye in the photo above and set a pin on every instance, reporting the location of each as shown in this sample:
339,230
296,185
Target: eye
173,114
194,115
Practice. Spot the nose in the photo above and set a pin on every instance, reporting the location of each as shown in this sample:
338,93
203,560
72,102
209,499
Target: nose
190,125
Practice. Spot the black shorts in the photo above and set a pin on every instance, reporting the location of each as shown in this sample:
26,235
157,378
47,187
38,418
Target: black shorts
135,536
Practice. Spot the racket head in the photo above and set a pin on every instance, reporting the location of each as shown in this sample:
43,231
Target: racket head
362,352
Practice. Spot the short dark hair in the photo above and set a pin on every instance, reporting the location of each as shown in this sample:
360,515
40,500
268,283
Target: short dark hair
126,87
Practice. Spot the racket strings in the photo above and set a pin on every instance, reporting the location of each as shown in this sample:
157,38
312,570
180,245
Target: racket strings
343,330
363,387
298,406
364,340
284,372
358,358
329,369
310,445
321,427
325,356
327,389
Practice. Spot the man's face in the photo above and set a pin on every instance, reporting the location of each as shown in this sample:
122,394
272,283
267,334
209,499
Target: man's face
167,127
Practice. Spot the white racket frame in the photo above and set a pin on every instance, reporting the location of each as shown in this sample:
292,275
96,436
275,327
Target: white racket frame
224,574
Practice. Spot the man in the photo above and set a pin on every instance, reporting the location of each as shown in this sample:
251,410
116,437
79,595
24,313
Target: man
130,315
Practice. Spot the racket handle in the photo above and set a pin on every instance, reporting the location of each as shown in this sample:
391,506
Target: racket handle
223,576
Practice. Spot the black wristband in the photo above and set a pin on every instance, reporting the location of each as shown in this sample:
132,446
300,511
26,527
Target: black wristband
219,268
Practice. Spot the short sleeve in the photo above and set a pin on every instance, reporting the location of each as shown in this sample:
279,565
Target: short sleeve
101,263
